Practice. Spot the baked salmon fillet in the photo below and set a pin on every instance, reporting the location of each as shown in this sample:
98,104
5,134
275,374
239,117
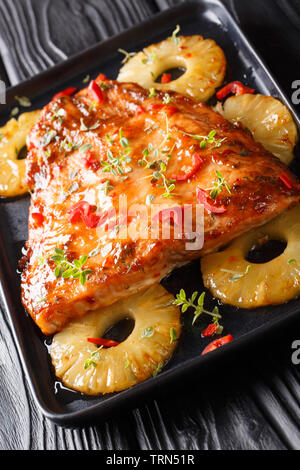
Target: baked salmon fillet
116,139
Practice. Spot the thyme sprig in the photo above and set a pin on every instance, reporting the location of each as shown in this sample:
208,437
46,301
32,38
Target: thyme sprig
206,139
159,165
236,275
58,114
218,185
150,58
128,55
65,269
167,99
174,36
85,128
198,307
23,101
157,368
152,92
117,164
95,355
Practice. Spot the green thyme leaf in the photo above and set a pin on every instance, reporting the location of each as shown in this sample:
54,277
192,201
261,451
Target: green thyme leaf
66,269
148,332
84,128
128,55
14,111
85,148
48,137
157,369
23,101
173,335
185,303
174,36
152,93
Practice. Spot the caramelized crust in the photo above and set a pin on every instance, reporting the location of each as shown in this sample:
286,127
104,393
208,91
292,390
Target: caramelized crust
68,148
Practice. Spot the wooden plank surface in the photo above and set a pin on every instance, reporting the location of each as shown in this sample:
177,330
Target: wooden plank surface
252,403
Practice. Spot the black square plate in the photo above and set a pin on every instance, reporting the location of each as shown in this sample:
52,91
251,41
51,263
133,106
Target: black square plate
210,19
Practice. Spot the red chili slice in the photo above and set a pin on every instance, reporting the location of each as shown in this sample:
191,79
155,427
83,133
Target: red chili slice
203,198
286,181
217,343
102,77
165,78
209,330
97,92
85,211
67,92
237,88
90,161
156,106
197,163
107,343
139,110
38,218
170,109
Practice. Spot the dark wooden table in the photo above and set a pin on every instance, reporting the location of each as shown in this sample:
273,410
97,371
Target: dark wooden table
253,401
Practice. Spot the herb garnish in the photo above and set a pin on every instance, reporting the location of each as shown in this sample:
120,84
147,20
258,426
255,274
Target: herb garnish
147,332
167,99
95,251
105,187
14,111
199,307
128,55
71,189
59,114
152,92
48,137
23,101
86,79
94,355
127,363
173,335
115,164
84,128
85,148
68,146
159,165
66,269
157,369
174,36
206,139
236,275
150,58
149,199
73,173
218,185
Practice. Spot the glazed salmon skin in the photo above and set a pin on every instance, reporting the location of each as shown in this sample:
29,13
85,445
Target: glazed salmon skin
113,139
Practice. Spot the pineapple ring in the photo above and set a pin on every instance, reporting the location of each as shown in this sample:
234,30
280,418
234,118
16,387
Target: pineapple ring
136,359
12,140
269,121
203,60
227,275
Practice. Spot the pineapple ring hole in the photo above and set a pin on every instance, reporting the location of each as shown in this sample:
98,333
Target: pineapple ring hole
261,253
175,73
120,331
22,153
